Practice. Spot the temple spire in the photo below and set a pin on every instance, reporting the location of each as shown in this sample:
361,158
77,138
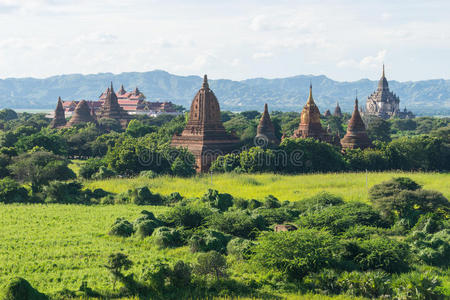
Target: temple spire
112,89
310,98
383,70
205,82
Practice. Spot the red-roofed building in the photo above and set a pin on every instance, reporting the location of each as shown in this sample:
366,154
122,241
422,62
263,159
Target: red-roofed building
132,102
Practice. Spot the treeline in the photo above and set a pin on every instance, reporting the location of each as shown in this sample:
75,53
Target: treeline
397,247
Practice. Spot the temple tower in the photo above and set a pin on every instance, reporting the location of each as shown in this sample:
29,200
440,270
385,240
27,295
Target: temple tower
59,120
204,134
356,136
112,110
266,131
337,111
383,103
327,113
81,114
310,122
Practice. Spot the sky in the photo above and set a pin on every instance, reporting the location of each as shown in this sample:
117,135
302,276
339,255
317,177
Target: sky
344,40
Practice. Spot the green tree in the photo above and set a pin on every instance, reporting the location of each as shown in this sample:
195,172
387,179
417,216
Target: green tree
379,129
211,263
295,253
39,168
116,264
137,128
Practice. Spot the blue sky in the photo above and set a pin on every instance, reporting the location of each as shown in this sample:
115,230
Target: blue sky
344,40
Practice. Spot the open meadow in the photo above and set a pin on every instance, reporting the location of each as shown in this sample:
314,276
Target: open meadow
58,246
350,186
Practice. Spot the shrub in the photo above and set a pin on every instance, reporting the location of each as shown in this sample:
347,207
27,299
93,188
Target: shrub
318,202
217,200
208,240
417,285
433,249
271,202
121,227
240,248
371,285
402,198
378,253
20,289
11,191
211,264
323,282
180,276
166,237
362,232
189,216
339,218
145,228
240,203
64,192
173,198
148,174
90,167
103,173
276,215
143,196
295,253
253,204
237,223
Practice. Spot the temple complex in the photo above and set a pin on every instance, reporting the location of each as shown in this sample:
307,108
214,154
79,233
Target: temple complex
265,130
356,136
204,134
59,119
310,122
337,111
112,110
82,114
385,104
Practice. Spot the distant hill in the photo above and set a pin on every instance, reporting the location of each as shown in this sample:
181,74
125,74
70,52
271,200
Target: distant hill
428,97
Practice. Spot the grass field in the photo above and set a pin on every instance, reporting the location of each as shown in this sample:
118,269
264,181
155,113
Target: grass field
59,246
350,186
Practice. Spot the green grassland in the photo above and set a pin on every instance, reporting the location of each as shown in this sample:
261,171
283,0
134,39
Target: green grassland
59,246
350,186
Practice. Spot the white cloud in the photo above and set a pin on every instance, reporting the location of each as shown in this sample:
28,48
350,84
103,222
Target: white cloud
367,62
386,16
262,55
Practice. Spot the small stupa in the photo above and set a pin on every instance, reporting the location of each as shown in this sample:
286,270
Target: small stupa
337,111
356,136
59,120
81,114
266,131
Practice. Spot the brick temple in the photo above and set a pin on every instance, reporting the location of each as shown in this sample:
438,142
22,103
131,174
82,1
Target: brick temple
60,118
310,126
204,134
265,130
356,136
112,110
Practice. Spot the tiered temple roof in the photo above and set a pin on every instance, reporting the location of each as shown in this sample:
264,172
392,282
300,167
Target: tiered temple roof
59,120
112,110
356,136
385,104
310,122
265,131
204,134
82,114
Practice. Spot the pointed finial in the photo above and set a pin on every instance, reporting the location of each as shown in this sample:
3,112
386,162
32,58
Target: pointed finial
310,92
266,108
59,99
356,104
112,89
205,81
356,93
383,70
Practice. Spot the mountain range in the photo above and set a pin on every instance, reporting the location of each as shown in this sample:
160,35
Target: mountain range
427,97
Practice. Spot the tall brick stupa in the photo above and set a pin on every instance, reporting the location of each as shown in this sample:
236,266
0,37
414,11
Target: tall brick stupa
59,120
204,134
356,136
